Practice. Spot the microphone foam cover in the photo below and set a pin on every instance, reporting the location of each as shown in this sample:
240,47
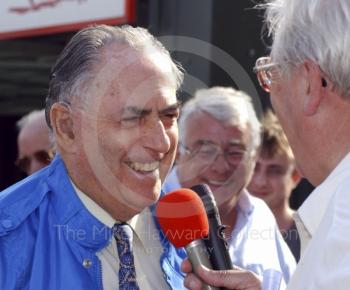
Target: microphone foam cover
182,217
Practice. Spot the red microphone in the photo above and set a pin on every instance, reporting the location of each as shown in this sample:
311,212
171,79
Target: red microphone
183,219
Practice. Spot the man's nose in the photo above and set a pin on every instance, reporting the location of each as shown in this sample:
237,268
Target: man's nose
156,136
220,164
259,179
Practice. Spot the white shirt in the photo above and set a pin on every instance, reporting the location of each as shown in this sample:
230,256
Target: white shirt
323,222
147,249
256,243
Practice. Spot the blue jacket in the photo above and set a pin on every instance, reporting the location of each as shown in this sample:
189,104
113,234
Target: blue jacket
49,240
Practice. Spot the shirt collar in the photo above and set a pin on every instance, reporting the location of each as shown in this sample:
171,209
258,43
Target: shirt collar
144,228
138,223
97,211
74,222
245,204
314,207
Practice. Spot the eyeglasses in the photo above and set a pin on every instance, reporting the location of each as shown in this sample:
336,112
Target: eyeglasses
209,152
264,69
41,156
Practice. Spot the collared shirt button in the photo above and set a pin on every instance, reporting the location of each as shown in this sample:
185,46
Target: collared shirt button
6,223
87,263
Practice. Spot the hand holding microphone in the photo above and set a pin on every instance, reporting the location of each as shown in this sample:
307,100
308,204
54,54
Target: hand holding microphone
182,217
229,279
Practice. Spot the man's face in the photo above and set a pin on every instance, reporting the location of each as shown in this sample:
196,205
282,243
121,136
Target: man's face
287,99
129,130
226,179
33,146
273,180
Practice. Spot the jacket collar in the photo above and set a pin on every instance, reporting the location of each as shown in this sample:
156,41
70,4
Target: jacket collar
76,223
18,201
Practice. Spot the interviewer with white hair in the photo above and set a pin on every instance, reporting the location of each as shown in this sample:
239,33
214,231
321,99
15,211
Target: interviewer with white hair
307,75
219,138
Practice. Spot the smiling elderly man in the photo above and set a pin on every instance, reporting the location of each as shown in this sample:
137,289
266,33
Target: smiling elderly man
113,111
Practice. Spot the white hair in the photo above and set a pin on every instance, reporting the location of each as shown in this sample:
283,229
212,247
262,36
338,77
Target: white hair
317,30
227,105
31,116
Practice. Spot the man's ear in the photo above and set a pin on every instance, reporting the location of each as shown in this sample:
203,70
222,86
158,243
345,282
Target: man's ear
62,126
316,87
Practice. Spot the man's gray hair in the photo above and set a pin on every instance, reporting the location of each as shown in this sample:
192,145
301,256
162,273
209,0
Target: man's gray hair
316,30
73,69
28,118
227,105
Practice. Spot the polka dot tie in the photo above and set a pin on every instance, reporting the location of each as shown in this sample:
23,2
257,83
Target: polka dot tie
127,274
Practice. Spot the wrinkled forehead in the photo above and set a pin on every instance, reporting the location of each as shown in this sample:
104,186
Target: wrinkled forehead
135,64
130,77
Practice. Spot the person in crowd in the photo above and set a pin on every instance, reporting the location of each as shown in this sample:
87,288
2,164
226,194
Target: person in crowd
219,140
84,222
33,142
307,75
274,178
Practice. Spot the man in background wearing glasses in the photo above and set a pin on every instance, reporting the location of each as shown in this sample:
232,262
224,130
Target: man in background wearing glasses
219,138
308,79
33,142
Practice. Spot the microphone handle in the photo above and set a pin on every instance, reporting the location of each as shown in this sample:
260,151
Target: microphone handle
217,246
198,255
215,242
